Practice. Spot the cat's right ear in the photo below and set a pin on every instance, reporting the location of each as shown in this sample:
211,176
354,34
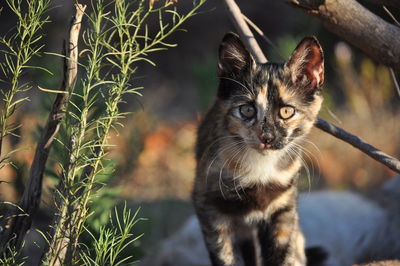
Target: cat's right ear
233,56
306,64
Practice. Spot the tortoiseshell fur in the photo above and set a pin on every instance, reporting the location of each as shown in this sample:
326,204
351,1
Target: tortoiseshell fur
247,168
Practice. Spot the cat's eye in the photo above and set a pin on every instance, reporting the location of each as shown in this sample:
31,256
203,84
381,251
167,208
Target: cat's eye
286,112
247,110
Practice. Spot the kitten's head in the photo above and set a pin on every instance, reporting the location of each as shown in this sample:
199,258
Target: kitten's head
269,105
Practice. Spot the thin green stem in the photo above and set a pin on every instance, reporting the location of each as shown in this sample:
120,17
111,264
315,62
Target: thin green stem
21,46
114,46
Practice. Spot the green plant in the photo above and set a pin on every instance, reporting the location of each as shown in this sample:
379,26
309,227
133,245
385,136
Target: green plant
116,40
113,240
12,257
12,254
17,49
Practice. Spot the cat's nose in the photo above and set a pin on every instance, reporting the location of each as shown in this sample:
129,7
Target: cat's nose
267,137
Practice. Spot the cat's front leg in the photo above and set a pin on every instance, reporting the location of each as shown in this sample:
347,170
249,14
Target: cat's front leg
300,246
278,239
218,236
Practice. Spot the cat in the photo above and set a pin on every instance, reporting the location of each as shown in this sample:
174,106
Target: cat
248,155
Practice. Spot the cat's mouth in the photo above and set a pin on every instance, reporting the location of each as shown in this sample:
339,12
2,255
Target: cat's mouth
264,146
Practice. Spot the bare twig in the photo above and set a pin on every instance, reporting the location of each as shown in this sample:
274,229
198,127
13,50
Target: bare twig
391,15
261,33
244,31
338,132
393,75
350,20
14,232
358,143
395,83
392,3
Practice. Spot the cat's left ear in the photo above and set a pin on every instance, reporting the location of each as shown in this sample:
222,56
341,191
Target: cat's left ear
306,64
233,57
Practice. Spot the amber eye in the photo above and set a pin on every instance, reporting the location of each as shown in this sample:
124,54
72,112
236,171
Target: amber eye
286,112
247,111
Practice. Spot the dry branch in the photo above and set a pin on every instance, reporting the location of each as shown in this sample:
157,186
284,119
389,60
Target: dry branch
353,22
244,30
16,226
358,143
338,132
395,83
392,3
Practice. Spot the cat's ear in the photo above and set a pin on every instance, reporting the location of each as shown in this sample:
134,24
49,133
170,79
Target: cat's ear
306,64
233,56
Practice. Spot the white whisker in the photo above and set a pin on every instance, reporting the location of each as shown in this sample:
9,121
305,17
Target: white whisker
236,151
241,84
303,162
310,156
229,146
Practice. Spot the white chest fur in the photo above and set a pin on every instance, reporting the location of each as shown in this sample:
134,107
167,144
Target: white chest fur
260,168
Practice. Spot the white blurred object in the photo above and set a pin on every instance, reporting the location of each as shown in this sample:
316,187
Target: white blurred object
350,227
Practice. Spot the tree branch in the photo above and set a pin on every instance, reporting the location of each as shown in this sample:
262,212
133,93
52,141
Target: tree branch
16,226
244,31
358,143
340,133
395,83
392,3
350,20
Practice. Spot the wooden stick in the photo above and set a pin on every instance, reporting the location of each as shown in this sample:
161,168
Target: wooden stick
358,143
244,31
392,3
338,132
15,228
350,20
395,83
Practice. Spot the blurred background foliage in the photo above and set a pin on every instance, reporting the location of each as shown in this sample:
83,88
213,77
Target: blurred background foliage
154,151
